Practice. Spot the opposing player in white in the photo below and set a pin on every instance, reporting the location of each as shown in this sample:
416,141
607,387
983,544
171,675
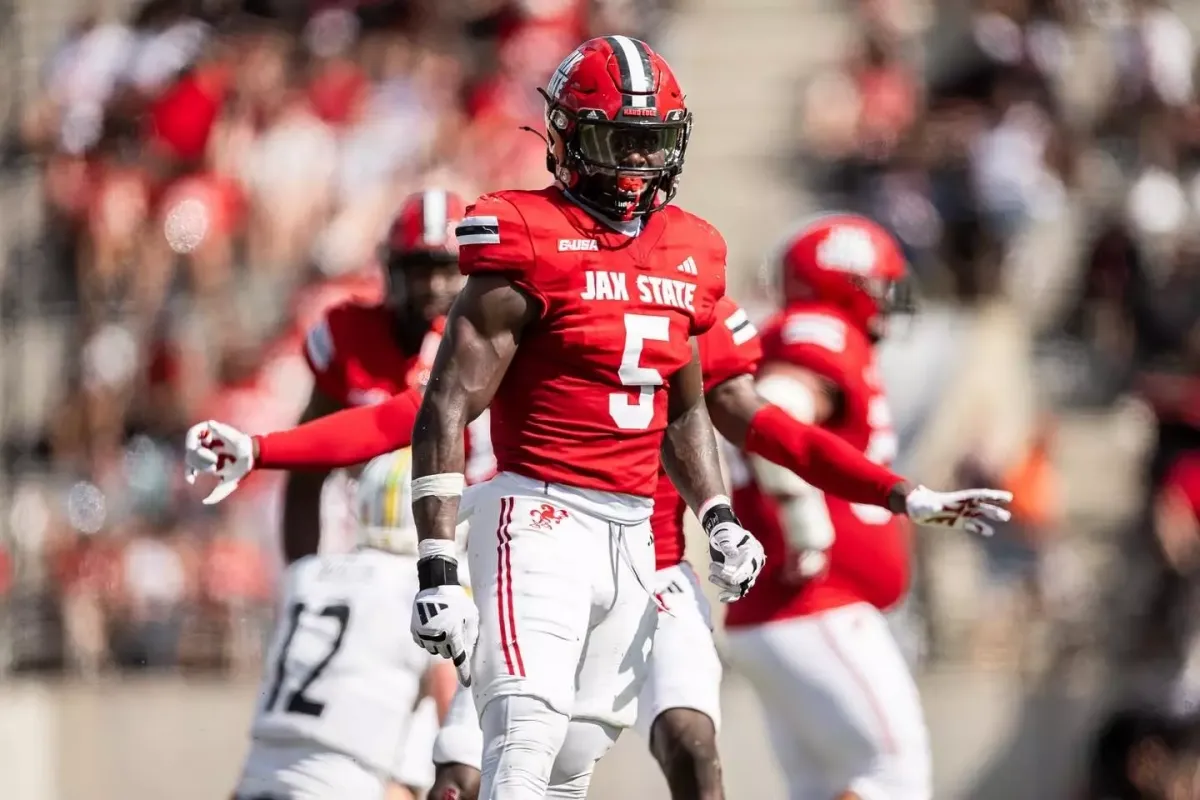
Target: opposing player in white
348,705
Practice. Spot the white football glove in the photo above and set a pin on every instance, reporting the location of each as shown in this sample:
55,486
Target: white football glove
214,448
967,510
446,623
737,558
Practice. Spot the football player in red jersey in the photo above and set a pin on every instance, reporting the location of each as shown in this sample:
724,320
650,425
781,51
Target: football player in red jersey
570,418
575,327
370,361
364,354
679,709
842,708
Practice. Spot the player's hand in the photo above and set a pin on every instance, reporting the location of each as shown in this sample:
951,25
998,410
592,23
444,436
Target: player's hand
214,448
446,623
971,510
737,558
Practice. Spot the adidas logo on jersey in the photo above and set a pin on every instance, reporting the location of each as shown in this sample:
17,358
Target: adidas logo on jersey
576,245
688,267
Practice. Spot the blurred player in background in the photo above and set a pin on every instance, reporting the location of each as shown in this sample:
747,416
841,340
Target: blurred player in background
365,354
370,359
841,707
679,709
338,711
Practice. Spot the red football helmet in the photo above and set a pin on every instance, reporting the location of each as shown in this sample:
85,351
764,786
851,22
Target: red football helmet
847,261
617,127
420,257
423,230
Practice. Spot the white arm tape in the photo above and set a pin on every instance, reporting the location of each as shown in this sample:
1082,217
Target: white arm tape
445,484
446,548
796,398
711,503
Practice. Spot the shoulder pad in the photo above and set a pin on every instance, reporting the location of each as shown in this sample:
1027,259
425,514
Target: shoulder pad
318,345
819,330
492,227
731,347
494,238
736,321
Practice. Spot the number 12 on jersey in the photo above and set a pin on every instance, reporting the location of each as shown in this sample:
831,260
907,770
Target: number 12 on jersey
637,415
297,702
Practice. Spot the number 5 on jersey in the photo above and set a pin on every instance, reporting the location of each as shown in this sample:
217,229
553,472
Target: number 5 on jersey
637,415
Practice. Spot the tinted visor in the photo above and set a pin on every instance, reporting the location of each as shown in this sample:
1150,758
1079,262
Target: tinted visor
631,147
894,297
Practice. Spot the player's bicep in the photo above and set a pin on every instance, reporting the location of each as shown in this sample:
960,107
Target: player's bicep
482,333
732,403
685,390
802,393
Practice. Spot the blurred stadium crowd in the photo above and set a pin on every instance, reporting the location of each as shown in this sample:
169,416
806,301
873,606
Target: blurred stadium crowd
212,177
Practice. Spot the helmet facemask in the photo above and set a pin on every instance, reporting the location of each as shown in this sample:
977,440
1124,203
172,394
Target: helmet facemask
617,168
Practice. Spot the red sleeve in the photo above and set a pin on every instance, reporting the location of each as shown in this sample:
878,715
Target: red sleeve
711,254
493,238
321,353
821,343
731,347
819,457
1184,479
348,437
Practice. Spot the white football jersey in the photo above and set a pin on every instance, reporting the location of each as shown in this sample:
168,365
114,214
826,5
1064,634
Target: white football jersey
343,671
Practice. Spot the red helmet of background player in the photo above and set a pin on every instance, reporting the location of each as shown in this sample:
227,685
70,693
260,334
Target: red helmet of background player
420,257
617,127
423,229
847,261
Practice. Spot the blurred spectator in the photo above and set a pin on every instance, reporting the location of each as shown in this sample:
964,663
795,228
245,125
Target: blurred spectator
1018,583
858,114
1138,754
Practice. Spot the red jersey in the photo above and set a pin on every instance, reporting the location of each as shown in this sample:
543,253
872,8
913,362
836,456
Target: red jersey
356,361
584,402
869,557
1183,480
729,349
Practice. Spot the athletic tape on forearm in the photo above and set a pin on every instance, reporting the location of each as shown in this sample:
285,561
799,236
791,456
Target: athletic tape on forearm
711,503
444,484
445,548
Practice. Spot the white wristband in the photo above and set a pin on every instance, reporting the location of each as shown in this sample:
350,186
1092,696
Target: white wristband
446,548
445,484
711,503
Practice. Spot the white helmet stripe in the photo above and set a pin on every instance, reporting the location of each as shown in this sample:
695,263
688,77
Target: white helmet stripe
433,213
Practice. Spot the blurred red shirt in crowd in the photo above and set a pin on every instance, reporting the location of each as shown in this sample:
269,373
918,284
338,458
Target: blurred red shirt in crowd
235,570
1177,513
181,119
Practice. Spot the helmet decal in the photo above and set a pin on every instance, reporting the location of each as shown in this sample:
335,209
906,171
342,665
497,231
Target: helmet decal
847,248
563,73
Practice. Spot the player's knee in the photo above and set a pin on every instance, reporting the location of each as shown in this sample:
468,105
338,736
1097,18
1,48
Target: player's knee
522,735
455,782
587,742
684,742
